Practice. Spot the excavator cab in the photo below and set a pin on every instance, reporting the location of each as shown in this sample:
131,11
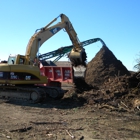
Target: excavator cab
11,60
17,59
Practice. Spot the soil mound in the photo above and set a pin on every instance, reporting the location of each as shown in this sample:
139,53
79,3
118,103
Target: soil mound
104,66
110,84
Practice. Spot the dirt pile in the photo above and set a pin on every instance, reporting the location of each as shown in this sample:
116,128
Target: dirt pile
112,84
104,66
119,92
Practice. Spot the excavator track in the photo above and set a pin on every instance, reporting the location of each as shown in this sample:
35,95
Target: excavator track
35,94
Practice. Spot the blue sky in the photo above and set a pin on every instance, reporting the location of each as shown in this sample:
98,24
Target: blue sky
117,22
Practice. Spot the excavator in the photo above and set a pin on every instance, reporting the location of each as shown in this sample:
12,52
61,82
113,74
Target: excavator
20,76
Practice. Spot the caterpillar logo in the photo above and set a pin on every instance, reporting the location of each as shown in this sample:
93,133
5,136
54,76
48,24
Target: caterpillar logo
27,77
55,30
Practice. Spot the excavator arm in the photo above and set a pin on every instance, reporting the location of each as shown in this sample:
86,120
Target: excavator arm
77,54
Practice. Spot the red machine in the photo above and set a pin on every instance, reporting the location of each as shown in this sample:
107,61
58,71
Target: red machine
60,75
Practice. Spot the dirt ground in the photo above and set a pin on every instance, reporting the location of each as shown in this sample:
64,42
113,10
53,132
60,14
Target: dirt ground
69,118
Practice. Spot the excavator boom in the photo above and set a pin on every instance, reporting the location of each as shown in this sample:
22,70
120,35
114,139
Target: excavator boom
43,34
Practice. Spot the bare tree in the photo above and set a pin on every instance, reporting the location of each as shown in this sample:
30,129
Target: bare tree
137,66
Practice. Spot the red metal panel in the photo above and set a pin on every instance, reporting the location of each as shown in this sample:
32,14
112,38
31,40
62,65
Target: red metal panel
57,74
67,74
49,72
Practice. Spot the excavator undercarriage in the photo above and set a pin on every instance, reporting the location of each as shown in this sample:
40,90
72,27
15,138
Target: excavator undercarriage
32,94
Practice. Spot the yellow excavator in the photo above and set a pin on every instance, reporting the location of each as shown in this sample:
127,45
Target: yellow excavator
20,76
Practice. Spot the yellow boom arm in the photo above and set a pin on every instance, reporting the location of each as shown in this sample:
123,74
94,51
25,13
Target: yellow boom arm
77,55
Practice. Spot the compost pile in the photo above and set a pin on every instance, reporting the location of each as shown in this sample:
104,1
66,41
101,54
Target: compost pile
112,84
104,66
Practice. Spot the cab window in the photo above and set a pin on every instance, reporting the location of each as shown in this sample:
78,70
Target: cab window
11,60
21,61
